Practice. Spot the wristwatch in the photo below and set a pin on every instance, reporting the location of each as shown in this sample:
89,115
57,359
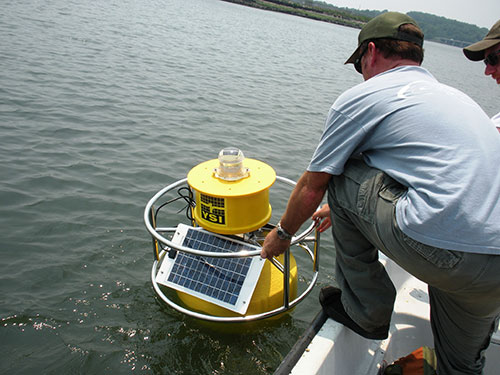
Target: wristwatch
282,234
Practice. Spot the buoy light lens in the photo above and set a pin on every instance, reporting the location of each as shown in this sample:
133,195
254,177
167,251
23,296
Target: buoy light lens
231,165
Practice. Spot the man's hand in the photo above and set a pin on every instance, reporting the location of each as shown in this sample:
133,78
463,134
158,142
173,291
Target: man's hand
304,200
323,217
273,245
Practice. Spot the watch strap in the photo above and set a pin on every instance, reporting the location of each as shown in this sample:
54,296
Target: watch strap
282,233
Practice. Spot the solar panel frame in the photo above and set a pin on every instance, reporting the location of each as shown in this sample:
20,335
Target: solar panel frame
226,282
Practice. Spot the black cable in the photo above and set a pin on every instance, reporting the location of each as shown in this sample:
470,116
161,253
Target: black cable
189,198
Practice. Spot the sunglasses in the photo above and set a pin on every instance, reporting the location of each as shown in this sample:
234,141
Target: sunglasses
357,62
492,58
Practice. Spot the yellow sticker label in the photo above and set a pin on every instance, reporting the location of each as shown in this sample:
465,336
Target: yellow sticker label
212,209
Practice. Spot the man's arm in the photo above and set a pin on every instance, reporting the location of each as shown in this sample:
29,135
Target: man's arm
303,202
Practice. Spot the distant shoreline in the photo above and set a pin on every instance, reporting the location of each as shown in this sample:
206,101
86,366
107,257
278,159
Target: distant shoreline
315,13
345,18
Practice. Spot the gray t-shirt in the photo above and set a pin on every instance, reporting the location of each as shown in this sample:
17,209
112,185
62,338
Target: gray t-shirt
434,140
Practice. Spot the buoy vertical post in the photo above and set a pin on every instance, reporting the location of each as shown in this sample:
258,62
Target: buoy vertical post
317,237
286,279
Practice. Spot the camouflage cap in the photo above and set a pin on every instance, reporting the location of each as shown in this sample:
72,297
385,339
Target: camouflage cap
475,52
385,26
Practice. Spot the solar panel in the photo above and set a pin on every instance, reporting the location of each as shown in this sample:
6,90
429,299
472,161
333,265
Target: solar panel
226,282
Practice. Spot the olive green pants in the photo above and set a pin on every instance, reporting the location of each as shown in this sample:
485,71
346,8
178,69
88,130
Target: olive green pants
464,288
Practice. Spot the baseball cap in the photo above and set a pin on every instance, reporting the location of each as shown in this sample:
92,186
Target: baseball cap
386,26
475,52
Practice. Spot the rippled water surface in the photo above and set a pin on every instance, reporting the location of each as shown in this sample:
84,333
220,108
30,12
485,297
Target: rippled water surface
102,104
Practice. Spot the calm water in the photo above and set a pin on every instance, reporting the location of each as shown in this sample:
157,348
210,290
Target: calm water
104,103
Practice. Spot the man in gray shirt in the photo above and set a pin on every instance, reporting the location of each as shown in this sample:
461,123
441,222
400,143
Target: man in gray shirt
410,166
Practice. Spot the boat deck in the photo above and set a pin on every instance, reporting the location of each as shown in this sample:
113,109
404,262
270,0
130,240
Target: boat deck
336,349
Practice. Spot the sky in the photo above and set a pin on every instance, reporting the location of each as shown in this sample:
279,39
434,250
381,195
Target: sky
483,13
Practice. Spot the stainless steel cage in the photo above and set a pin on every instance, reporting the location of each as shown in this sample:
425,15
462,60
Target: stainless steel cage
162,245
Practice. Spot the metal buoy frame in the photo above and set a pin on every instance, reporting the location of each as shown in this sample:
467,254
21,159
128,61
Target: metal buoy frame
161,246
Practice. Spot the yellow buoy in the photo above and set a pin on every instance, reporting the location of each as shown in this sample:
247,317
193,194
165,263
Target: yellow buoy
232,197
232,193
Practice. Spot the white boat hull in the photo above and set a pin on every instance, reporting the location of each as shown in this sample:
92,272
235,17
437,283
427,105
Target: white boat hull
337,350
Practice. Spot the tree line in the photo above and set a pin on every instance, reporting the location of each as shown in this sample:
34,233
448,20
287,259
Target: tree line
435,28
